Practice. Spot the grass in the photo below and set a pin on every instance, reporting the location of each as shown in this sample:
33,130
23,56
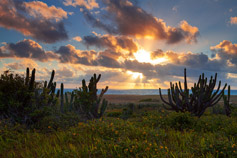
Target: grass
146,133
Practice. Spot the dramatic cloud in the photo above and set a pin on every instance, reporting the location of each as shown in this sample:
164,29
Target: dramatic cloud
26,49
40,9
133,21
69,54
233,20
227,51
111,42
99,24
88,4
34,19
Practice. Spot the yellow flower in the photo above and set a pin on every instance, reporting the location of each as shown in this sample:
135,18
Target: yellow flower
161,147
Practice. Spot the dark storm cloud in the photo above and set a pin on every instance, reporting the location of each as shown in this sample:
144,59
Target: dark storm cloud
26,49
22,16
111,42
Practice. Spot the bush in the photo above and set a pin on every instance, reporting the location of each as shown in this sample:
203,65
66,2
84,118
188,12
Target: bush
181,121
21,103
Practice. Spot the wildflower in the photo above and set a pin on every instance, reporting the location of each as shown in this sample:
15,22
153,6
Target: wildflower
80,124
147,149
49,127
126,149
157,135
161,147
74,134
130,150
144,132
150,144
166,147
233,145
116,132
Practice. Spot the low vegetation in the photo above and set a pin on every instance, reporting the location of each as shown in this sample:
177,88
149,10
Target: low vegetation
79,124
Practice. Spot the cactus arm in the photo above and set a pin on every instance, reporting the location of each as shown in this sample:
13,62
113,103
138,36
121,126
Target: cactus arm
161,97
51,79
71,101
62,99
27,76
32,80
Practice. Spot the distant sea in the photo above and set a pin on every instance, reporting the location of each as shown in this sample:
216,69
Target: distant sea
141,91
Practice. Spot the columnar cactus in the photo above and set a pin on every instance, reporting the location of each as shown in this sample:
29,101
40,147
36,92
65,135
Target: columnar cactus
88,102
202,96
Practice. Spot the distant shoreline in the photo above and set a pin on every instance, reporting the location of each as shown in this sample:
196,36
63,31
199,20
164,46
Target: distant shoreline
142,99
141,91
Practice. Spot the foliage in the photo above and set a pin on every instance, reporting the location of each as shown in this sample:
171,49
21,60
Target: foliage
202,97
24,100
142,136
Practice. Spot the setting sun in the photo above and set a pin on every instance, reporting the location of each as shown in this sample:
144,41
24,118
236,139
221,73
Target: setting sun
144,56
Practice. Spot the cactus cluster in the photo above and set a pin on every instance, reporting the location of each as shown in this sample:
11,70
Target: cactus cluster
201,97
65,104
87,101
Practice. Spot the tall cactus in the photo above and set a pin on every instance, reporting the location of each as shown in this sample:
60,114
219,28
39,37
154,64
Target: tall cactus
227,102
88,102
62,98
202,96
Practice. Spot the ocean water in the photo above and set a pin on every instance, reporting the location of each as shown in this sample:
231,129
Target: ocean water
141,91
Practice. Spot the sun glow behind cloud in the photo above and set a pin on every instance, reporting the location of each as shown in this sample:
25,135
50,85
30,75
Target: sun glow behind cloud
144,56
135,75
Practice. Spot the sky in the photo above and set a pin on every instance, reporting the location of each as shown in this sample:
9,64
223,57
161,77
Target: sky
133,44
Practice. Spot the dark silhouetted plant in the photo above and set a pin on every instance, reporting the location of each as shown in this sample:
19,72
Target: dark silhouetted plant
87,102
24,100
201,97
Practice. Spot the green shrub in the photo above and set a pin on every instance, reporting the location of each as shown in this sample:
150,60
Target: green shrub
114,114
21,100
181,121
